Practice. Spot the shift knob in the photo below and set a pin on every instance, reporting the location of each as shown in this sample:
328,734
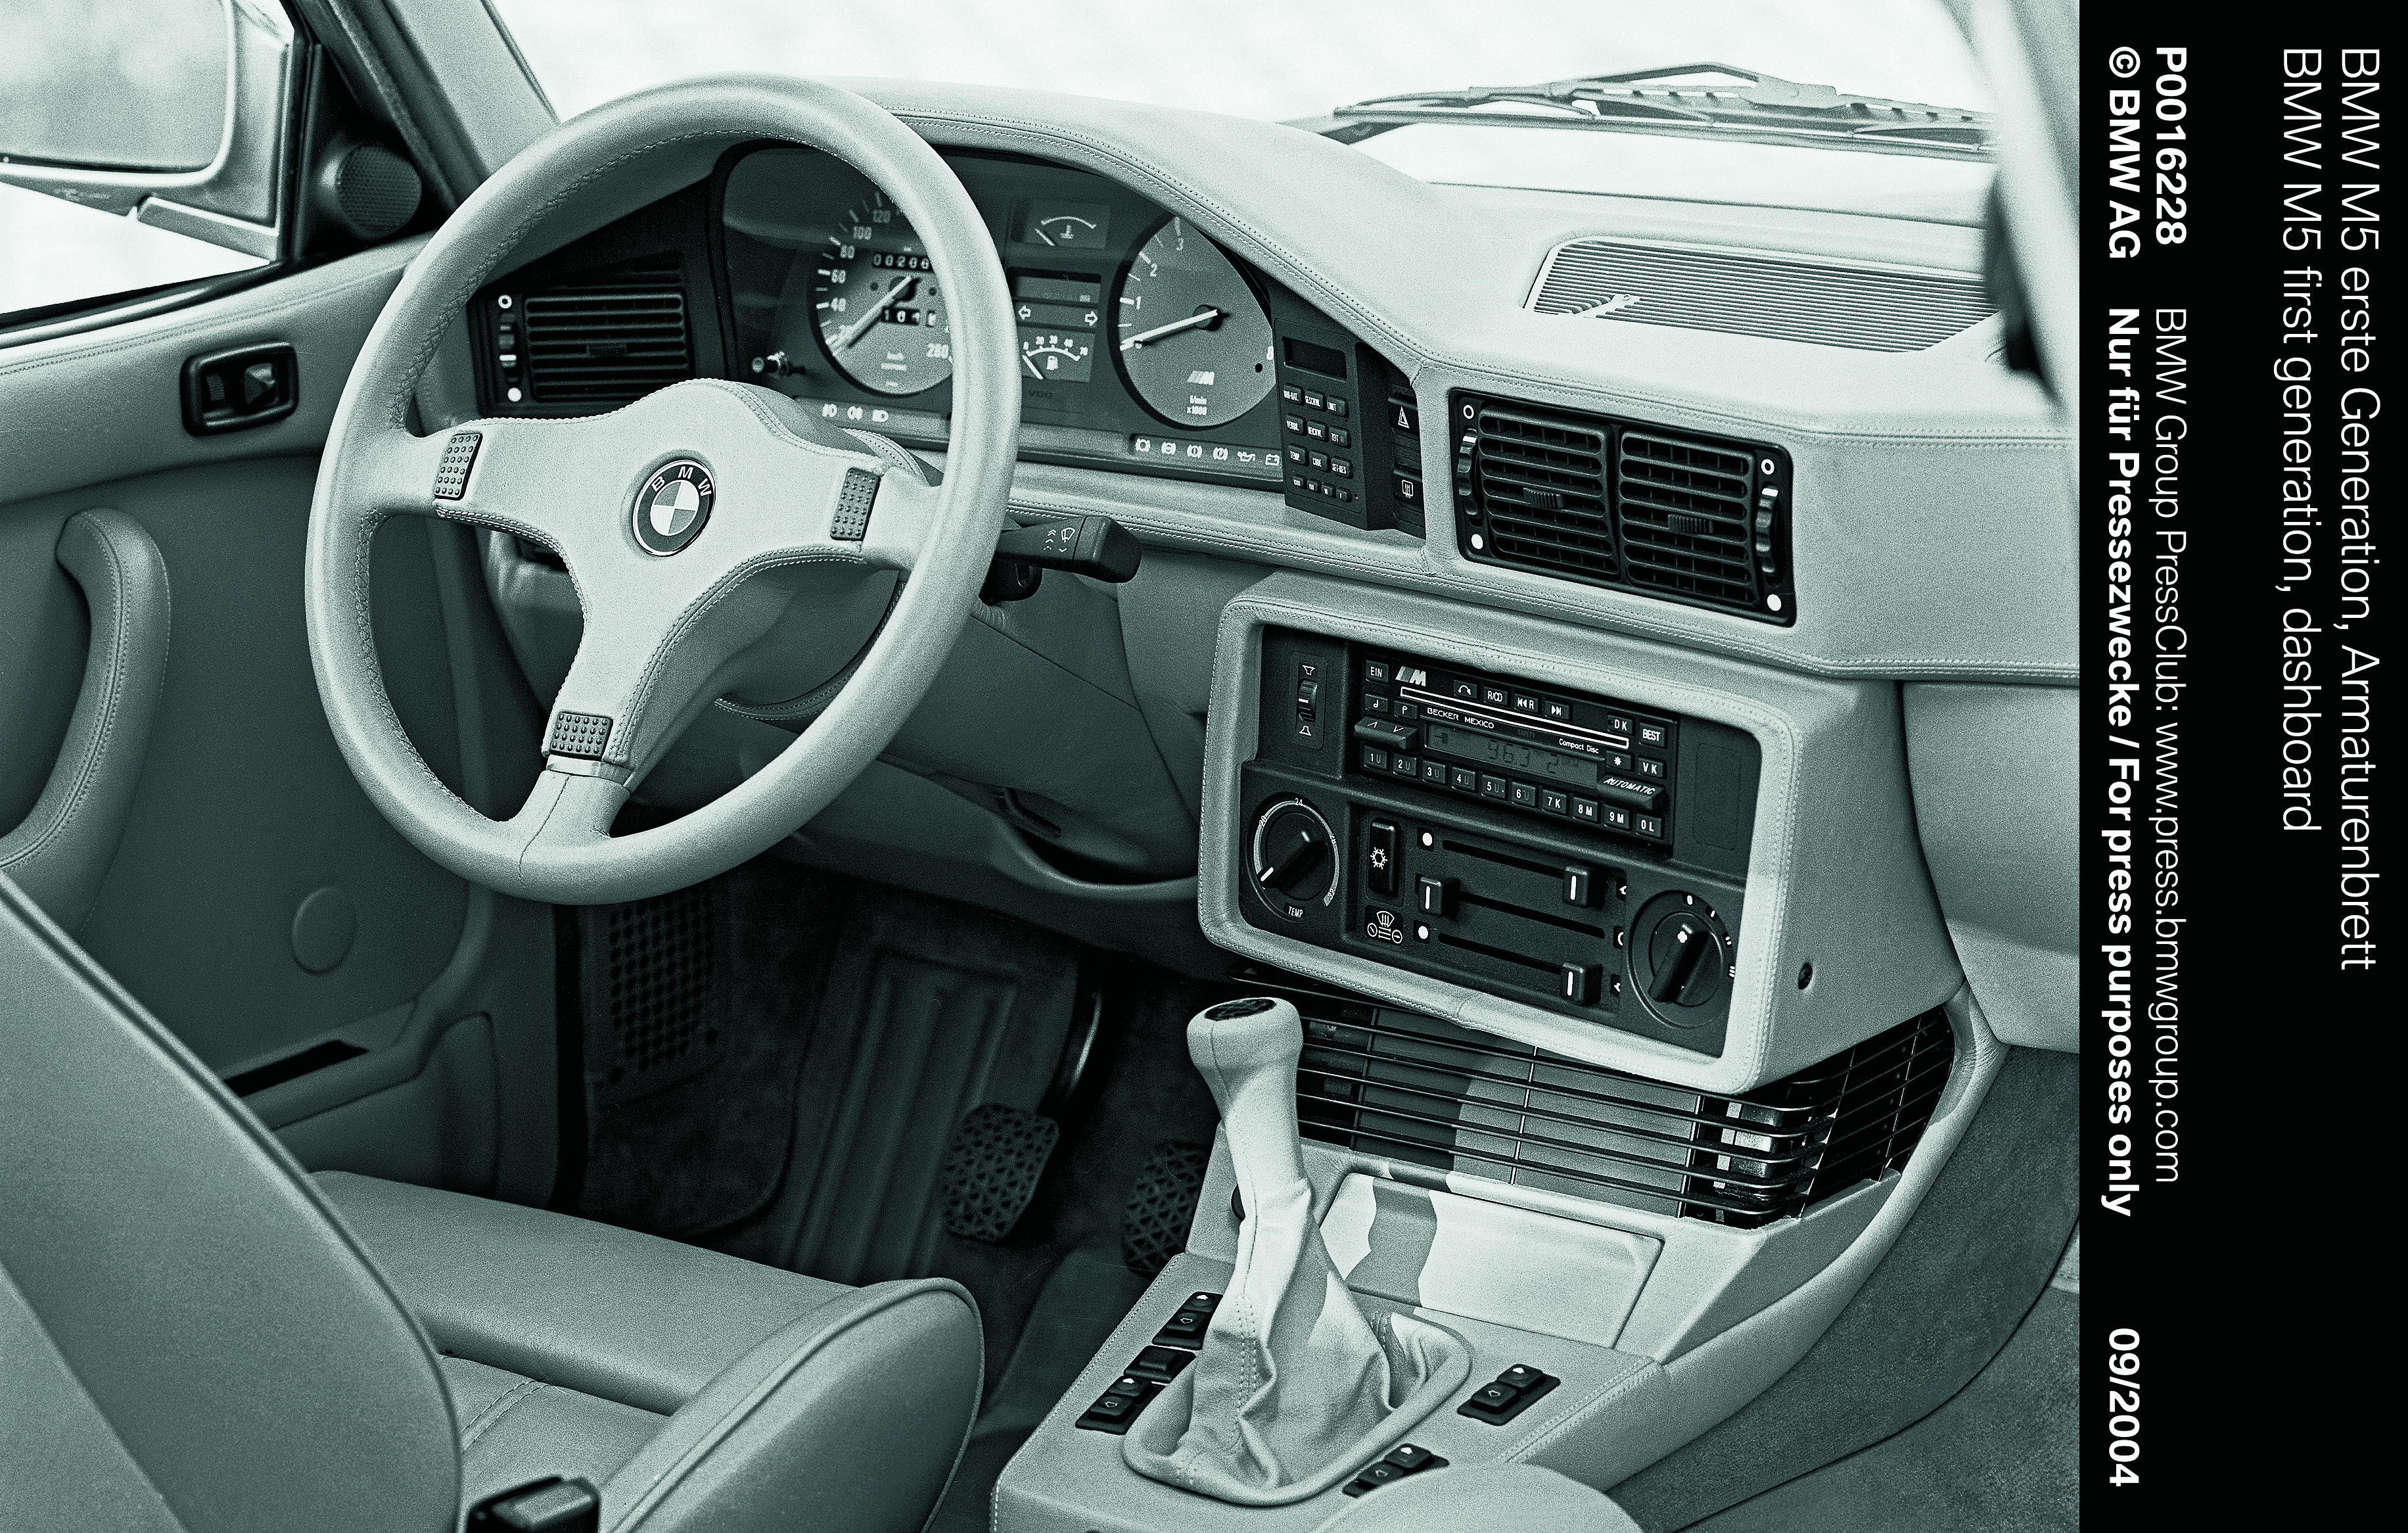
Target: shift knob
1247,1051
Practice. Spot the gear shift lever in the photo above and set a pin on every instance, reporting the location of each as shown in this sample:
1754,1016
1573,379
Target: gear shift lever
1294,1388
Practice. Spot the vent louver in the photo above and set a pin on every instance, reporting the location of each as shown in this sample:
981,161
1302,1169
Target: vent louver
1693,519
591,343
1410,1088
1862,307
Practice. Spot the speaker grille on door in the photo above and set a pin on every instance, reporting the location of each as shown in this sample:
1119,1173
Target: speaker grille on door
1405,1087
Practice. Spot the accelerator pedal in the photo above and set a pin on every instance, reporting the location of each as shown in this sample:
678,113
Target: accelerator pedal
997,1157
1162,1205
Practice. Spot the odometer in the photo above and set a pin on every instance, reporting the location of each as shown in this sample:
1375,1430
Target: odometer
875,301
1191,336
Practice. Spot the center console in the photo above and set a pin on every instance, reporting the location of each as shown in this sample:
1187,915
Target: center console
1630,1036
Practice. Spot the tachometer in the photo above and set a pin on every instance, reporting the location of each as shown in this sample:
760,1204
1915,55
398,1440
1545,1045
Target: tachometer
875,300
1191,337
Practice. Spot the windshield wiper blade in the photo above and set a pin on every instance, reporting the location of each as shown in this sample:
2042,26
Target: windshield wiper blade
1751,105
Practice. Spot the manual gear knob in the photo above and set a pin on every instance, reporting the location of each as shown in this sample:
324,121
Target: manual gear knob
1294,1387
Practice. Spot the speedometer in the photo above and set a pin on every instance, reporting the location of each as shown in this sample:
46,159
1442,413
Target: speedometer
876,303
1191,335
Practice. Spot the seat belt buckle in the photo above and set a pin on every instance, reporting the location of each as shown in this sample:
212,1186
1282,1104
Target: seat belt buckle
550,1505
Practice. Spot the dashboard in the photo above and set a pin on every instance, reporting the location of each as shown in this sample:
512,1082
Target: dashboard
1740,510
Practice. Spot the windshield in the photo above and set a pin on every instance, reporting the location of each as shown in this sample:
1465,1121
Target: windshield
1288,60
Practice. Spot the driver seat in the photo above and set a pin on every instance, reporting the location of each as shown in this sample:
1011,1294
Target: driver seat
196,1336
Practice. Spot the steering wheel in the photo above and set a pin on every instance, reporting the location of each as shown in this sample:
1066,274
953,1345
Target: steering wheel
675,515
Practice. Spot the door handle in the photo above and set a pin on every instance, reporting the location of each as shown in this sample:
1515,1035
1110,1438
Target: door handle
62,851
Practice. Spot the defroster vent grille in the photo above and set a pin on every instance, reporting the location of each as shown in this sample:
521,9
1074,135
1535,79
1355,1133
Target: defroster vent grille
1693,519
1862,307
1410,1088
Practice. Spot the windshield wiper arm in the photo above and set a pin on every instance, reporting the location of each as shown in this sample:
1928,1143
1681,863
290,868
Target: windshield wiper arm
1757,107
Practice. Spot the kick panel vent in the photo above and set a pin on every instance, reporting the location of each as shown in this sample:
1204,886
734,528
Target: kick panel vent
591,344
1405,1087
1863,307
1695,518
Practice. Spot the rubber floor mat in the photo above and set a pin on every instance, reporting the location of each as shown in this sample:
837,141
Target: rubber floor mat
930,1009
692,1008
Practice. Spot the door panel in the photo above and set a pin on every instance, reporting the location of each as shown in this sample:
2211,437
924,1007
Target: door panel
245,813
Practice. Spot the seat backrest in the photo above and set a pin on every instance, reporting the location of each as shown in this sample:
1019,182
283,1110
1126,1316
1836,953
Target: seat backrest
188,1338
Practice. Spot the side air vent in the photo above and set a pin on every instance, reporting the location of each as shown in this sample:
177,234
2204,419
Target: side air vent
591,343
1860,306
1405,1087
1695,518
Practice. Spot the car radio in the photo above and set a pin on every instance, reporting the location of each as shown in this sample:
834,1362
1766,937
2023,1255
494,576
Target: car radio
1562,848
1587,763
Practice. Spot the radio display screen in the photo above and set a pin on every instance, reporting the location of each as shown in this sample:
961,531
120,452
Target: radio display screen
1507,755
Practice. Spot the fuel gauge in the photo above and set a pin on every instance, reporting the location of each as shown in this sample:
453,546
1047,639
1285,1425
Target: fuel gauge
1054,358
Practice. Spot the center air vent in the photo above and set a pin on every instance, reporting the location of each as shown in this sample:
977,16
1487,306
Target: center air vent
1861,306
1405,1087
1697,519
588,345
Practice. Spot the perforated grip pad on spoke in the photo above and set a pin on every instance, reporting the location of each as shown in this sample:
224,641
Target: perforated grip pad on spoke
451,474
850,523
579,734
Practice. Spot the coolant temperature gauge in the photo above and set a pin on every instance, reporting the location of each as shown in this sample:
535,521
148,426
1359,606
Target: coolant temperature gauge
1050,358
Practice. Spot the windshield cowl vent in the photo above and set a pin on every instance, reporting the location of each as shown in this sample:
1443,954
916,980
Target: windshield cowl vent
1859,306
1412,1089
1693,518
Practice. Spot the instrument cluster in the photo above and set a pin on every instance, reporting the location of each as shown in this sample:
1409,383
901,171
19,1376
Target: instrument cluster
1143,345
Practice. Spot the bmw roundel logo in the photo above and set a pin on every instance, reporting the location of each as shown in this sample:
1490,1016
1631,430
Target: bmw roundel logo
672,506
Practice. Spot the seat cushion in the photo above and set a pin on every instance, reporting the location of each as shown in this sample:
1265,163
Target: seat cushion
604,1311
514,1429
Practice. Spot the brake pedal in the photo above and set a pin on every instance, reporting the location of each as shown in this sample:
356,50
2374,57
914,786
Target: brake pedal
1162,1205
997,1157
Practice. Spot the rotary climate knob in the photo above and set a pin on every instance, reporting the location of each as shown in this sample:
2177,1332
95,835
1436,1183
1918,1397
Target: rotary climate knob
1293,860
1684,958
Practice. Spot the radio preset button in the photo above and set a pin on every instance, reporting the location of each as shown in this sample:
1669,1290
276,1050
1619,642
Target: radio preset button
1408,765
1555,801
1374,759
1524,796
1434,772
1585,810
1494,787
1648,824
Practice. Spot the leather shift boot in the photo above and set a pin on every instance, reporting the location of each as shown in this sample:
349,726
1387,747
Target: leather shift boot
1294,1387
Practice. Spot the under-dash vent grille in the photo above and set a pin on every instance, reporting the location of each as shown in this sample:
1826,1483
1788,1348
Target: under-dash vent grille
1862,307
1695,518
1410,1088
